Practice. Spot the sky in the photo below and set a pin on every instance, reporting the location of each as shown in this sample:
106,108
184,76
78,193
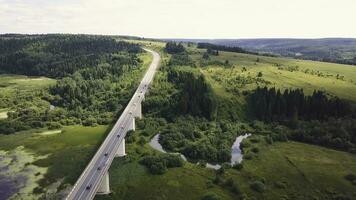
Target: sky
210,19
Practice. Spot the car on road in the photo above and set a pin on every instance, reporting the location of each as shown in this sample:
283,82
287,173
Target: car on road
118,135
88,187
130,112
99,168
106,154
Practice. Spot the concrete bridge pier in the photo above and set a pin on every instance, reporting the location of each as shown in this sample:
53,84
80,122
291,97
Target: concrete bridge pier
132,125
104,187
138,111
121,152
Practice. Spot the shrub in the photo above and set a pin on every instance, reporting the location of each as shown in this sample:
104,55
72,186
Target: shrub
238,166
226,165
269,139
235,189
91,121
258,186
159,164
280,185
173,160
210,196
54,125
255,150
350,177
248,156
217,180
229,182
142,141
209,184
145,133
254,140
130,137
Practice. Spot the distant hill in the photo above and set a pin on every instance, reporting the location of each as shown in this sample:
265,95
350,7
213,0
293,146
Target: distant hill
338,50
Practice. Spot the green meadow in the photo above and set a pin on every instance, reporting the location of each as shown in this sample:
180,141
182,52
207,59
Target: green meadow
288,170
283,73
63,153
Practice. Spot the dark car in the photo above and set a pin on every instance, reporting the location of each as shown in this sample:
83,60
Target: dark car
88,187
99,168
106,154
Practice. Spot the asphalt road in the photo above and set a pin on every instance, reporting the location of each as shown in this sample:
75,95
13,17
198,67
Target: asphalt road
89,181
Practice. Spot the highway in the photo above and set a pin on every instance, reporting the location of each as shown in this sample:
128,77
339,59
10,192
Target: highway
89,181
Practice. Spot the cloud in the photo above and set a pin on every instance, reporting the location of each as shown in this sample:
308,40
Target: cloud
182,18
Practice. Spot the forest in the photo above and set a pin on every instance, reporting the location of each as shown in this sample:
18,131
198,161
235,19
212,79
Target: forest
269,104
317,119
90,88
57,56
213,48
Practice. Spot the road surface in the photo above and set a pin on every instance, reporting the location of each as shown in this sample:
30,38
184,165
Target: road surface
102,159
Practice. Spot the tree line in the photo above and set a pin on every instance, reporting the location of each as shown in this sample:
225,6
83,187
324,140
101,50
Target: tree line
57,56
269,104
215,47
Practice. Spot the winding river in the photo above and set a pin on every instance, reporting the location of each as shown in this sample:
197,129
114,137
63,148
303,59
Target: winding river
236,154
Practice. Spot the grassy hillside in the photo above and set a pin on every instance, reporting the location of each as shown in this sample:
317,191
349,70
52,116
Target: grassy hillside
335,79
338,50
297,171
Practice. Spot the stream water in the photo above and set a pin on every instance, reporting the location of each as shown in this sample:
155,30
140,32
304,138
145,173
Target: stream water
236,154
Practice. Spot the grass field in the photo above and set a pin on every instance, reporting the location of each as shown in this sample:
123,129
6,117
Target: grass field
23,83
290,170
305,171
64,154
130,180
282,73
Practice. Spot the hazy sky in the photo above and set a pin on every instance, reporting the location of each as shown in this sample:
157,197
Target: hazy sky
182,18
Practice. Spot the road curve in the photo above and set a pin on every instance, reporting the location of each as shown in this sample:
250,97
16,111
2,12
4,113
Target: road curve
103,158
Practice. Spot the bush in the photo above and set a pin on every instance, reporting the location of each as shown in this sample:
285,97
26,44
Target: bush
254,140
217,180
130,137
235,189
91,121
258,186
255,150
350,177
248,156
269,139
173,160
238,166
159,164
209,184
54,125
142,141
210,196
229,182
280,185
